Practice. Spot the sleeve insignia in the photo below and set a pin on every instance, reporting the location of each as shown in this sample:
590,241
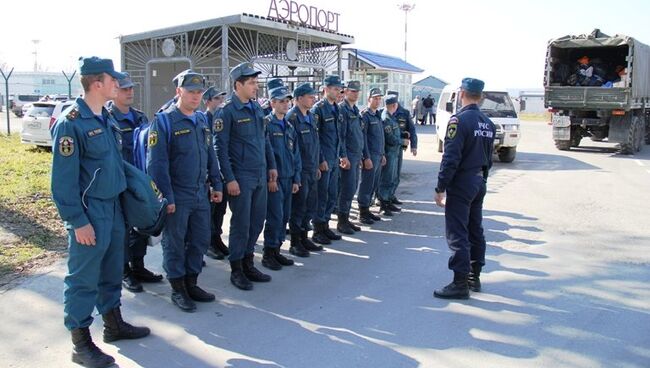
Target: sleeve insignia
66,146
153,138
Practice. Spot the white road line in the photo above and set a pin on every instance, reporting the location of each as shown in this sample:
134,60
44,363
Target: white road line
639,162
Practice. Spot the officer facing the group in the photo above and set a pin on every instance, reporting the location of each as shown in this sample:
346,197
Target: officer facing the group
213,100
463,174
303,206
373,155
247,164
392,149
326,113
409,134
87,179
282,135
128,119
180,158
350,152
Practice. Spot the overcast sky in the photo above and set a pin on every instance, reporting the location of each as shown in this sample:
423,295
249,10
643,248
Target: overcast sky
500,41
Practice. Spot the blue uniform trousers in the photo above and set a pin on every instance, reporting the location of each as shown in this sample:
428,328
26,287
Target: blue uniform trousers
388,176
278,210
248,213
303,205
349,184
398,174
463,220
218,211
369,182
328,188
94,276
186,238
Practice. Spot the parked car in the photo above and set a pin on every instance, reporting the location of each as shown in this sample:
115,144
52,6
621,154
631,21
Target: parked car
58,109
36,124
20,100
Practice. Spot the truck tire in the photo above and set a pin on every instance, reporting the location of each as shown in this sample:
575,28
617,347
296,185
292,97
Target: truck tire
575,139
635,136
563,145
507,154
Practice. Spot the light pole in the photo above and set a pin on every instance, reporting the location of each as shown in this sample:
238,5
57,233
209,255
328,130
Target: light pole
35,42
406,8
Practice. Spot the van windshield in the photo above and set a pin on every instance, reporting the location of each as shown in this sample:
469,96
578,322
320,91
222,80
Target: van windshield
497,105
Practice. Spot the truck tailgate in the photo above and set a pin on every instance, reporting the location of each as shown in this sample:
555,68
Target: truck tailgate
586,97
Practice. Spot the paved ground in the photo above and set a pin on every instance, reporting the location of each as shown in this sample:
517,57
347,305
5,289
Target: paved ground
566,284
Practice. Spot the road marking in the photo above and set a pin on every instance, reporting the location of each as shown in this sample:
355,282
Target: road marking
639,162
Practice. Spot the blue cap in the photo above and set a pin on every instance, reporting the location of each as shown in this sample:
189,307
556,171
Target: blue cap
472,85
375,92
392,92
304,89
125,82
280,93
243,70
333,81
390,99
190,80
94,65
353,85
274,83
175,79
211,93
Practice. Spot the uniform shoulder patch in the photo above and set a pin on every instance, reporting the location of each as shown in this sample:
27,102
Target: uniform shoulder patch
452,128
66,146
73,114
218,125
387,129
153,138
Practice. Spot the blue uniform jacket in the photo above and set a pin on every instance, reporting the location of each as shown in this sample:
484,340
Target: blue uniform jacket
284,142
350,132
373,133
308,141
469,143
182,160
87,161
392,134
403,117
127,127
327,122
244,149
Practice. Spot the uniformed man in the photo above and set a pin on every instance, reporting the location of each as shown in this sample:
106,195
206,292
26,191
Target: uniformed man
408,135
180,158
282,136
466,161
271,84
174,99
392,149
128,119
303,206
87,179
373,156
326,114
247,164
350,153
213,100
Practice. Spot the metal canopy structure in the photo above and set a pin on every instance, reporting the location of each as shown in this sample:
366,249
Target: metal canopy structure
290,50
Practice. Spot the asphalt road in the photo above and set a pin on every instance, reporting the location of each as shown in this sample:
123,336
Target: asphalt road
566,283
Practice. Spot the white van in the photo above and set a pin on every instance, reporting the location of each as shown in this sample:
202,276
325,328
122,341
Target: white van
497,105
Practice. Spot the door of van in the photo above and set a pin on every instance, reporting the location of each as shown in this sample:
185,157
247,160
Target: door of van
447,99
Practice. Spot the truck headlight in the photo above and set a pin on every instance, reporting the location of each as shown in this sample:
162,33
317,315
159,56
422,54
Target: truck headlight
511,127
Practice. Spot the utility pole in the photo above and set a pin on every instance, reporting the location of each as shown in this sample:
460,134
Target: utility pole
406,8
35,42
69,79
6,78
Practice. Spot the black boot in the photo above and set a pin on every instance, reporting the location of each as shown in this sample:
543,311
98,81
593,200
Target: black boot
457,289
329,233
353,226
374,217
214,252
86,353
221,246
116,329
180,297
142,274
237,276
473,279
364,216
269,261
344,225
396,201
297,249
392,207
282,259
129,282
319,234
251,272
195,292
384,208
308,244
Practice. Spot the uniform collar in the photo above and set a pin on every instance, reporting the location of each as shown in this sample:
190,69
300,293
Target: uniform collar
176,115
238,104
469,107
86,112
119,115
282,122
301,117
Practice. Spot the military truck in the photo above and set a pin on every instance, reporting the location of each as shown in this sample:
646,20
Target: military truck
598,86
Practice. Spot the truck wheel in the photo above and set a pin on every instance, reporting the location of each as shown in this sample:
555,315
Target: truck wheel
563,145
634,138
575,139
507,154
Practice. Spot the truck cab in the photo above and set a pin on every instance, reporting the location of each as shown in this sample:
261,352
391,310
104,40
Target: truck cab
497,105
